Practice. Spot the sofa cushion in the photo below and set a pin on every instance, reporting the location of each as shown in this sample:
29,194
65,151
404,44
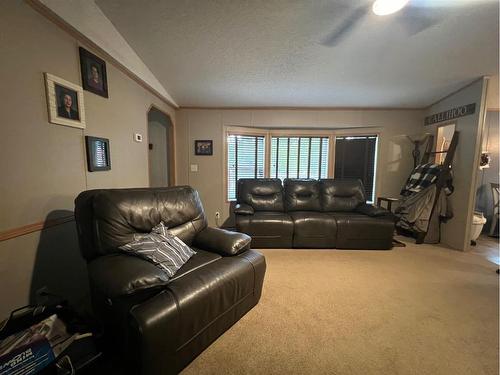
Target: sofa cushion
302,195
109,218
195,309
197,261
243,209
313,229
267,229
222,241
374,211
341,195
358,231
161,248
130,275
262,194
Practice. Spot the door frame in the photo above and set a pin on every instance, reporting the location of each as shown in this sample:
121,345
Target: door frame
172,171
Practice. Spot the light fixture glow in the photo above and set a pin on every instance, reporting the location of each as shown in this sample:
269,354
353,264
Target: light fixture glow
385,7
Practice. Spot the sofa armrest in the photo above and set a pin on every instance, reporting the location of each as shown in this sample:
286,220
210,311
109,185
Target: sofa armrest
243,209
373,211
222,241
120,275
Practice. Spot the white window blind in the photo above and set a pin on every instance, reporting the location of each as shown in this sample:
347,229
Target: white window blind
299,157
356,157
245,159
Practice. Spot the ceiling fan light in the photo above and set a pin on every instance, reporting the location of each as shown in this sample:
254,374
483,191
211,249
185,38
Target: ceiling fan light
385,7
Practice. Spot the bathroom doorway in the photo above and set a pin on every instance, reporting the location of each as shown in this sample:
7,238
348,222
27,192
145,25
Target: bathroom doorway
160,149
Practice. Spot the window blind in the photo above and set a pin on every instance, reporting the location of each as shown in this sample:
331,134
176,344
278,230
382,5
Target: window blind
299,157
355,157
245,159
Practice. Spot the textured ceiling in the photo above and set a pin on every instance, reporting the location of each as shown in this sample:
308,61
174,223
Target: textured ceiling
270,52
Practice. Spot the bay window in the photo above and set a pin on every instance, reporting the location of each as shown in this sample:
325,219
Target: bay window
258,153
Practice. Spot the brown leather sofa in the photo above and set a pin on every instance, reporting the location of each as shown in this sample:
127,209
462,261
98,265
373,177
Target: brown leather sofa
158,325
301,213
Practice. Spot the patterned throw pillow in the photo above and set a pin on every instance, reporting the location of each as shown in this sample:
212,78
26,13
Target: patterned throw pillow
161,248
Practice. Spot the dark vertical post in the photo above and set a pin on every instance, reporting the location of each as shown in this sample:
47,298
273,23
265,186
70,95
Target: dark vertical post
365,166
343,142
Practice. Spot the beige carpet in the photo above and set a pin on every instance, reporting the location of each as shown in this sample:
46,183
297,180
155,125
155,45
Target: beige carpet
415,310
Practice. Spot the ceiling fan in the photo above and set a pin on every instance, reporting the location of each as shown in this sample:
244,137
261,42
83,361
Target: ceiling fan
414,15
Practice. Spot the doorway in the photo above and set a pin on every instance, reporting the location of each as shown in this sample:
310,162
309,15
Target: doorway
160,149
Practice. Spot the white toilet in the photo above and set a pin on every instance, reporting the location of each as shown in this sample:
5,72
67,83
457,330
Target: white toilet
478,221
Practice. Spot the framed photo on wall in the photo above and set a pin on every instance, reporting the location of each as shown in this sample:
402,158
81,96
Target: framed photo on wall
94,78
64,102
98,154
203,147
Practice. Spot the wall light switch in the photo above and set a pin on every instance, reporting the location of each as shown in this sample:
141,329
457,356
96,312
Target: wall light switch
194,167
138,137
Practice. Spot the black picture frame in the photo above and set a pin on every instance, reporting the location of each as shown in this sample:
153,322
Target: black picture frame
94,76
98,154
204,147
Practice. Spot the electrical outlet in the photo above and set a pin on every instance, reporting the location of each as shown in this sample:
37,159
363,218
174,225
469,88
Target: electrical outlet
217,217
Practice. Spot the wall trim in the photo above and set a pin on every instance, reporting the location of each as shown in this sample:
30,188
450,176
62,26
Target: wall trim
58,21
35,227
287,108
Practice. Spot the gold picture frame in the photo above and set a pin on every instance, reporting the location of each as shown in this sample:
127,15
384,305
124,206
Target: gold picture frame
64,102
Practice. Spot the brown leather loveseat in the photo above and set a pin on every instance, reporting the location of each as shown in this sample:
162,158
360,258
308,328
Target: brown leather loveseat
159,325
327,213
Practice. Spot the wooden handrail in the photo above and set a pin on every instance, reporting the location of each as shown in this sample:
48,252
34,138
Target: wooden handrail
35,227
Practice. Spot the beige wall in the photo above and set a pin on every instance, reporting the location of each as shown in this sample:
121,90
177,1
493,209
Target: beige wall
491,143
456,233
394,158
43,165
88,19
492,99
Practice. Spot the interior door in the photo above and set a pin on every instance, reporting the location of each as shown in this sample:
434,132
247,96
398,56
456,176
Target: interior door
158,154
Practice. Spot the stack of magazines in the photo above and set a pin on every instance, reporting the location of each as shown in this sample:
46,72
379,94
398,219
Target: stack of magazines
31,350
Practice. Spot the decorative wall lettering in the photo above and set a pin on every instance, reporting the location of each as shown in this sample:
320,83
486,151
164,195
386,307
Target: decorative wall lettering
451,114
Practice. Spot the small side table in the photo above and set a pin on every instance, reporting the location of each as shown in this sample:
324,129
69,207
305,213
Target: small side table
387,200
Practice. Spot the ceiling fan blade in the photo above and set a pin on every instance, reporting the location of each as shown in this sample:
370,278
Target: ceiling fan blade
416,20
347,25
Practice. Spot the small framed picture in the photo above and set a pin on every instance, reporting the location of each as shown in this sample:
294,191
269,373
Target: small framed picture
203,147
98,154
64,102
94,78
